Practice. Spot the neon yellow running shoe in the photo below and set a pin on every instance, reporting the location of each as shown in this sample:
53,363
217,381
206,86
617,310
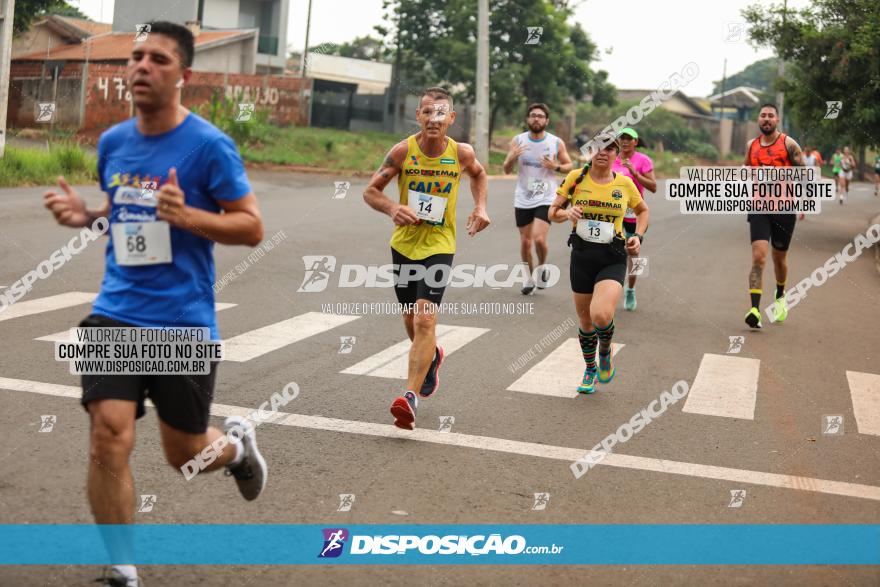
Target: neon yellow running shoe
606,368
780,310
753,318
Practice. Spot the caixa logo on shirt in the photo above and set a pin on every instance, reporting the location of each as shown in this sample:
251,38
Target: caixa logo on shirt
334,542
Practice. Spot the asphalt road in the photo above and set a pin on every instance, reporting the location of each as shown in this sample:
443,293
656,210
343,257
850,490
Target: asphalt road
505,445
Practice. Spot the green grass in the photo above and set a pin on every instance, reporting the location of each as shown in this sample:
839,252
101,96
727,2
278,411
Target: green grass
28,167
318,147
326,148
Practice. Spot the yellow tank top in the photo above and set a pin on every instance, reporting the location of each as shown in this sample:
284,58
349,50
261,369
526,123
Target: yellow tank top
432,176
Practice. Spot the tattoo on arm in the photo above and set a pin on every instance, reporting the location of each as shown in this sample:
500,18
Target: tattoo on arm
756,277
795,155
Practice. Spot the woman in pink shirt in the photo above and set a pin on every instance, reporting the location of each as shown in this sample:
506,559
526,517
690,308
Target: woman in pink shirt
640,169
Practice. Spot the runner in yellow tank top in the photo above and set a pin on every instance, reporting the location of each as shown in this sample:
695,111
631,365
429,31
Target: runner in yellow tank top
429,185
430,165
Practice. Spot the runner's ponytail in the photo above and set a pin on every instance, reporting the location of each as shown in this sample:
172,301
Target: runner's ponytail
580,178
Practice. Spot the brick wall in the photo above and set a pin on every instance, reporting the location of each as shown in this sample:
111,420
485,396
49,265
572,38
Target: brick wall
107,100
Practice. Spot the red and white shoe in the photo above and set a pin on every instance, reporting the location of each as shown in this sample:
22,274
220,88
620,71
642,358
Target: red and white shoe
404,411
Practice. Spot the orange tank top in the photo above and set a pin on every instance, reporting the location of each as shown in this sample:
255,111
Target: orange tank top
772,155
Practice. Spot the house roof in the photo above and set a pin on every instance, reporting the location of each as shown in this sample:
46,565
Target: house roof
116,46
73,28
88,27
738,97
698,109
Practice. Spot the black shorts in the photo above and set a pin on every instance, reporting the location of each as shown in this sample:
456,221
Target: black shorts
431,287
524,216
776,228
594,262
183,401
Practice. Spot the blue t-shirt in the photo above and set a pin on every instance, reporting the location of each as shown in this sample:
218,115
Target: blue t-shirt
209,169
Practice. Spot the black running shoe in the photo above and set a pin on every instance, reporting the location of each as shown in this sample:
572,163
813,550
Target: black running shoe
545,277
432,378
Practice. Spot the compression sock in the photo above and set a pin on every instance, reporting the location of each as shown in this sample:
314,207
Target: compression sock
780,289
588,341
755,294
605,335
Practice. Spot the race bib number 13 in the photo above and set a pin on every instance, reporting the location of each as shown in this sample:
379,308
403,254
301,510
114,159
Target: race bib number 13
426,206
595,231
142,243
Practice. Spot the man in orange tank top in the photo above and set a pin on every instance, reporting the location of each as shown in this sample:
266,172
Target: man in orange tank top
774,149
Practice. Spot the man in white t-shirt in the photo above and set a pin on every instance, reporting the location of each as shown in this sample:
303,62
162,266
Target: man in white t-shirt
540,156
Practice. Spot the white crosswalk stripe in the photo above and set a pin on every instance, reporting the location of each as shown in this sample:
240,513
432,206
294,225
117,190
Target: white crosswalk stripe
864,388
392,362
47,304
503,445
64,335
559,373
724,386
255,343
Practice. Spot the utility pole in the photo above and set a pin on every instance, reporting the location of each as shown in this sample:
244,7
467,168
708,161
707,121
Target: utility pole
482,115
723,88
302,72
7,8
780,71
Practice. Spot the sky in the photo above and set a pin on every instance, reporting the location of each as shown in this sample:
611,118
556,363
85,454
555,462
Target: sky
641,42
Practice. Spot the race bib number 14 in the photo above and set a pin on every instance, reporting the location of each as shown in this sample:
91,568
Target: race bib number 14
426,206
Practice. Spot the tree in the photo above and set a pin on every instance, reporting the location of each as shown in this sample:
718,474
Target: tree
832,53
436,42
759,75
65,9
366,47
27,11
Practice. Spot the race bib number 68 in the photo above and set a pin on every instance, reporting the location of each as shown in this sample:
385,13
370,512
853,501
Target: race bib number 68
142,243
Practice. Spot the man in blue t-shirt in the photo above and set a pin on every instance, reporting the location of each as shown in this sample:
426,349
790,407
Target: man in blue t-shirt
175,185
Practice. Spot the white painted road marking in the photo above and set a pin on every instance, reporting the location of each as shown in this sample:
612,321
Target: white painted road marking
47,304
565,454
865,391
64,335
724,386
254,343
559,373
393,361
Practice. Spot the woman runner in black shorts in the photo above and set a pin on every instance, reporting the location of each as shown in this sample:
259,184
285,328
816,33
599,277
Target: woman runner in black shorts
596,200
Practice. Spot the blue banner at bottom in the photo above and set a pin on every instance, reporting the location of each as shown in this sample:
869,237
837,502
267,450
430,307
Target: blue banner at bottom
484,544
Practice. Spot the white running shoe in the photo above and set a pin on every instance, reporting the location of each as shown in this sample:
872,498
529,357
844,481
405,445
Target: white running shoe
251,472
114,578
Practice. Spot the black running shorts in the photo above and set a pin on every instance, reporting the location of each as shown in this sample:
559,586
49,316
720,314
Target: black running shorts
776,228
525,216
430,287
594,262
183,401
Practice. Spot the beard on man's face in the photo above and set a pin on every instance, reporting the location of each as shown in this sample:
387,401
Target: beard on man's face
537,127
768,128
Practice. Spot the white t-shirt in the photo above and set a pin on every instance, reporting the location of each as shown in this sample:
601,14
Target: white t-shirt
536,185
